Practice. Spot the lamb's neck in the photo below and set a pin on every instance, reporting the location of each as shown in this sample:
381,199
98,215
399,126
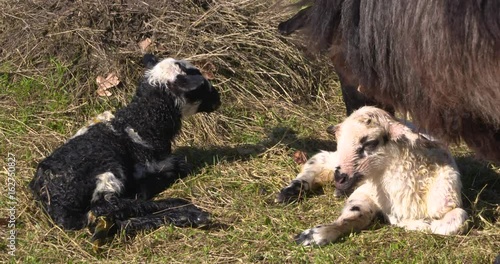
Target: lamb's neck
155,119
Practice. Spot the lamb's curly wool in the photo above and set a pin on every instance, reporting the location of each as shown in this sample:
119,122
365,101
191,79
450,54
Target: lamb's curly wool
403,176
111,169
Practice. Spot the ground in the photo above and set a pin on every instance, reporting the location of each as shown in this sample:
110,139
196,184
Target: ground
277,99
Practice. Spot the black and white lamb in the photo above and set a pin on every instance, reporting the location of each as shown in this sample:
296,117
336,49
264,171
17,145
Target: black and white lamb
105,176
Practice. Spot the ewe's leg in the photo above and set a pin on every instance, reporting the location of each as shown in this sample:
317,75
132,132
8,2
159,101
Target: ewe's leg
358,213
317,171
294,23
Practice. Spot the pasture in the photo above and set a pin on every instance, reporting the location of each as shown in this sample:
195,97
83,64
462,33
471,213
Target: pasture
276,100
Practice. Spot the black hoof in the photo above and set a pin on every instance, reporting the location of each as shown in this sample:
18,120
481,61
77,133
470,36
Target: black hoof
190,216
293,193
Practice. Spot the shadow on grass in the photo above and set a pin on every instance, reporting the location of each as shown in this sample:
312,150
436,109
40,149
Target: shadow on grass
198,158
311,146
481,183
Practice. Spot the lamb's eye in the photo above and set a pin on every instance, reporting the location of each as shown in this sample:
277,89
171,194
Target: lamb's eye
370,145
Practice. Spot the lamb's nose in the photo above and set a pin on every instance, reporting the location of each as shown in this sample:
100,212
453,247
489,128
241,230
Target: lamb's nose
340,177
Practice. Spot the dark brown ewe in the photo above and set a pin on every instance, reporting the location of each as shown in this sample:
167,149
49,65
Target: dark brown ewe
438,60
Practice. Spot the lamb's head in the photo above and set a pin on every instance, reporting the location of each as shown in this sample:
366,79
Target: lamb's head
194,93
366,142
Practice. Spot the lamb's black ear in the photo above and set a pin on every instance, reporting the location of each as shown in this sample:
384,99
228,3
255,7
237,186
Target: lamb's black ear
188,83
149,60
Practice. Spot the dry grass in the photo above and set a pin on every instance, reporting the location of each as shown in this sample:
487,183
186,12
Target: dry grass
276,100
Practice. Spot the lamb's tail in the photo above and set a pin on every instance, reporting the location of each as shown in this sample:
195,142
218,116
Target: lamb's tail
128,217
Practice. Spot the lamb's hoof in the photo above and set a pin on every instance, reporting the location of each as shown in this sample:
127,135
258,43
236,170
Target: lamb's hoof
292,193
316,236
101,231
305,238
191,217
202,219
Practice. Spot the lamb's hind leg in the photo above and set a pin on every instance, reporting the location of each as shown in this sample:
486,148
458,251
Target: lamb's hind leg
444,215
174,211
359,213
453,222
317,171
444,202
130,216
179,211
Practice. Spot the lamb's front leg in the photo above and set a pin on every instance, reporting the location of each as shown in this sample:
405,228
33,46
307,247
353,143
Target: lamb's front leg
358,214
316,172
154,177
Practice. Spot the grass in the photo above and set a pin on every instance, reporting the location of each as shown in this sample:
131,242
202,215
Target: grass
277,99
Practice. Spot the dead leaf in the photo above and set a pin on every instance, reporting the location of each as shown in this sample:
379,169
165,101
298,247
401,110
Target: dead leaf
143,45
300,157
103,93
103,84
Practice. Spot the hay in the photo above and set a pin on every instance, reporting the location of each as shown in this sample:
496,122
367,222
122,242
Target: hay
237,38
236,41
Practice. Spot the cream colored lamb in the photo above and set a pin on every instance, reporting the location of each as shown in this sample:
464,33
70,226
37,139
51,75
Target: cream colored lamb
395,172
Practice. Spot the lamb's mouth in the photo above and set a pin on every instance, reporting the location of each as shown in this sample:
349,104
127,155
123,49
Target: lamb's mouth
344,183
